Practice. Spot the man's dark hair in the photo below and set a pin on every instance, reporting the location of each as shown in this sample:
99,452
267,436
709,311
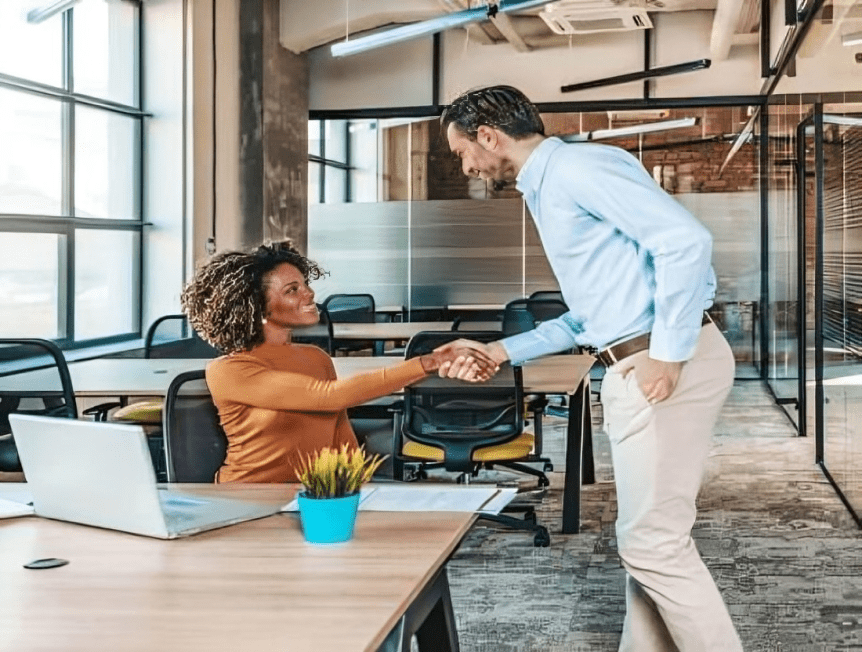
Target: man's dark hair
501,107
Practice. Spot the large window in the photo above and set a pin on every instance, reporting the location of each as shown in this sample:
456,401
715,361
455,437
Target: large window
70,170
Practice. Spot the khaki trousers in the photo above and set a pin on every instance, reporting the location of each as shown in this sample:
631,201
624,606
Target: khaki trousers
659,453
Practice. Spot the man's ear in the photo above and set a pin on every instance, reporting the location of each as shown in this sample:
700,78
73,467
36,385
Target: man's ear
487,137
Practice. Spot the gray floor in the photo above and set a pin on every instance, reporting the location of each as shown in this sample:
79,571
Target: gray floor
785,553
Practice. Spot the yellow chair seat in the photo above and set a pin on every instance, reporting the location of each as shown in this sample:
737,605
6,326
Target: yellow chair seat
519,447
141,412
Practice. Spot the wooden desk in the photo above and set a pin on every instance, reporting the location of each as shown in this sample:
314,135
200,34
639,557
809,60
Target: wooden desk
558,374
252,587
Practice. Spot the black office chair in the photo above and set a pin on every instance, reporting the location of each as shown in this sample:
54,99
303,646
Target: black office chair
350,309
544,309
195,444
171,336
35,379
463,427
517,318
548,294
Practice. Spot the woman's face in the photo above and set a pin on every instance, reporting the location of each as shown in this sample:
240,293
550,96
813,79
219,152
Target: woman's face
289,300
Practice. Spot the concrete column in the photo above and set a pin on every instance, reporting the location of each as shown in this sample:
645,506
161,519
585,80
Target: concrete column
273,124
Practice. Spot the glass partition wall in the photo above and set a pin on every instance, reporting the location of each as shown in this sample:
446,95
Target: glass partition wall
833,137
391,212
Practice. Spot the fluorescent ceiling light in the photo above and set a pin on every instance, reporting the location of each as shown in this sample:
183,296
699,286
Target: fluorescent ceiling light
428,27
634,130
854,38
43,13
842,120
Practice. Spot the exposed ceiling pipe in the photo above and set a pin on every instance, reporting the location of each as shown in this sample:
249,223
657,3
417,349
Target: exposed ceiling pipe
724,28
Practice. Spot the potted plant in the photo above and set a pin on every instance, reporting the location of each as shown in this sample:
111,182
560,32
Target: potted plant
332,479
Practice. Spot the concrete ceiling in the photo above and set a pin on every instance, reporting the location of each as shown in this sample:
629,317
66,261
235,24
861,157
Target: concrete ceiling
306,25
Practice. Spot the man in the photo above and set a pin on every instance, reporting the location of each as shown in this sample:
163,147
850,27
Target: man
635,270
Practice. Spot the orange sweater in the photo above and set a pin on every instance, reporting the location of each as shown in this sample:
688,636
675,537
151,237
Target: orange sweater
279,402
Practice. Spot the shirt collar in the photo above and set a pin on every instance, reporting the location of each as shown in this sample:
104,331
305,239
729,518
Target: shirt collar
531,173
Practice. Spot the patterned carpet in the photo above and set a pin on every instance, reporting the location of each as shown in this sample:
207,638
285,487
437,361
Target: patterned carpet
785,553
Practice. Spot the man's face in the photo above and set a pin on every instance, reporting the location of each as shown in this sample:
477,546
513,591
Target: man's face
482,157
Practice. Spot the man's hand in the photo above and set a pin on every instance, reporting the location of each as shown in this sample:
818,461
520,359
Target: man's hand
656,378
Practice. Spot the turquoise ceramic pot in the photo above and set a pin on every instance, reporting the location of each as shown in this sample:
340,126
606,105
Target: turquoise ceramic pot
328,520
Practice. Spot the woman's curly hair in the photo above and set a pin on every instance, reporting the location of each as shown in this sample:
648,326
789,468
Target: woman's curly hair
226,300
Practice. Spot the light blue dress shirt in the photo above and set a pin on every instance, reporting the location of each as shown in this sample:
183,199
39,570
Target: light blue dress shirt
627,256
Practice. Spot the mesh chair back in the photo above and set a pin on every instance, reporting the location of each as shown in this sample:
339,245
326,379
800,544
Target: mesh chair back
350,308
457,416
171,336
195,444
34,379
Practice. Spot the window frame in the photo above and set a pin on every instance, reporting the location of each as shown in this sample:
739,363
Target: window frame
67,224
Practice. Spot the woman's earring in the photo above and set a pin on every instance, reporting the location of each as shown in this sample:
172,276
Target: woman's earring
264,320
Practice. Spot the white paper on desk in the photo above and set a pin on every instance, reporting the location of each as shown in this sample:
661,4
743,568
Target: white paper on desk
11,509
430,498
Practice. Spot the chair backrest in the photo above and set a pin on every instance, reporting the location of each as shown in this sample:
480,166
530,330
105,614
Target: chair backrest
458,416
522,315
195,444
171,336
350,308
548,294
517,317
546,308
34,379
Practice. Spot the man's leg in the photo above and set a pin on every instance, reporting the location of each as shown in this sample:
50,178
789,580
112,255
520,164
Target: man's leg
659,453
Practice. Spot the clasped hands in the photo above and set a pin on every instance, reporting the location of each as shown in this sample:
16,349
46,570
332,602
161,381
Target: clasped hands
466,360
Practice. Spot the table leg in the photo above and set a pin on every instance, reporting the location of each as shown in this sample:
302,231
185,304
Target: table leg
579,457
432,619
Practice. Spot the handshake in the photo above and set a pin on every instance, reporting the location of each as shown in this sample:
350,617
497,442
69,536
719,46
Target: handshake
465,359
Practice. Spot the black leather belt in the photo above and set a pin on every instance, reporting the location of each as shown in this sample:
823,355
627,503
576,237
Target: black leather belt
624,349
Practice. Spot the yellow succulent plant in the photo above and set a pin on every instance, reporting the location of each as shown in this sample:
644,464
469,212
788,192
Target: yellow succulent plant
334,473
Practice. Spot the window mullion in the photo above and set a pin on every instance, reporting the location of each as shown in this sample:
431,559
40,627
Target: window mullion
66,294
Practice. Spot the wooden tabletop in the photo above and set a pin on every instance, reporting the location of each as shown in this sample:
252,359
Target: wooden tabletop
558,374
255,587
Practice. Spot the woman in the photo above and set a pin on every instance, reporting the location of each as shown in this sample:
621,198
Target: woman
278,400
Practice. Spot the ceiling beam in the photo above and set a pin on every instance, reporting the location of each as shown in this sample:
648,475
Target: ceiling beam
503,23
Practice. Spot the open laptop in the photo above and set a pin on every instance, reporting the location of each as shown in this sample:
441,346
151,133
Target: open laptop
101,473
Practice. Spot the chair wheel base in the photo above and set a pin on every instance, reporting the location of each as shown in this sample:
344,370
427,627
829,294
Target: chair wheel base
542,538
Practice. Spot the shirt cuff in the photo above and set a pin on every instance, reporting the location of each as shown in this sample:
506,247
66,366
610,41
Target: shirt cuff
673,345
548,337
